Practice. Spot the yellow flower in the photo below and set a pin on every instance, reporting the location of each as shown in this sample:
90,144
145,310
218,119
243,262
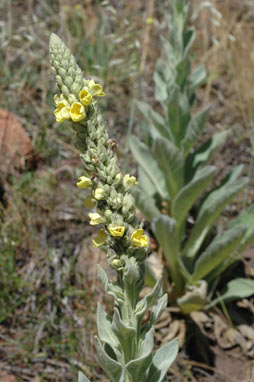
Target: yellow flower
117,231
139,240
77,112
129,181
62,112
84,182
150,20
100,239
99,193
96,89
96,218
90,202
85,97
118,176
57,99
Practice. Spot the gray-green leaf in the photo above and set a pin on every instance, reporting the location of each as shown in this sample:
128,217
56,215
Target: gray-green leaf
146,204
154,119
112,368
194,130
137,368
149,165
235,289
209,211
162,360
104,325
125,334
165,231
171,163
197,77
82,377
188,195
219,249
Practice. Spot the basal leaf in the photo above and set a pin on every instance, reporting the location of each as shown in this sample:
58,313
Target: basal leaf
157,121
146,204
194,130
189,37
145,183
165,231
178,114
211,208
149,165
234,290
219,249
161,93
171,163
203,154
246,217
197,77
194,298
188,195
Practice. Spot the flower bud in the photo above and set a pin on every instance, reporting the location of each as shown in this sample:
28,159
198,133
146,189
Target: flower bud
99,193
129,182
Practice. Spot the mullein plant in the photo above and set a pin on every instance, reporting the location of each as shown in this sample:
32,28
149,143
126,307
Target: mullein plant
173,175
125,341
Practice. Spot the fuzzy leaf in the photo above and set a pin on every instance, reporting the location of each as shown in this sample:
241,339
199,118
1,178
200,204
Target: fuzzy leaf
137,368
178,114
146,204
159,308
211,208
149,165
219,249
161,93
82,377
188,195
189,37
145,183
104,325
171,163
112,289
112,368
162,360
149,300
197,77
125,334
154,119
234,290
164,228
194,298
194,130
204,153
246,217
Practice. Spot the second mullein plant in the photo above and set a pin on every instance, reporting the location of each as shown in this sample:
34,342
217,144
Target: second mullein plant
125,342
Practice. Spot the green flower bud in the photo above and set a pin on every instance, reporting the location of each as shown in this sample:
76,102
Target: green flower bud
68,75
